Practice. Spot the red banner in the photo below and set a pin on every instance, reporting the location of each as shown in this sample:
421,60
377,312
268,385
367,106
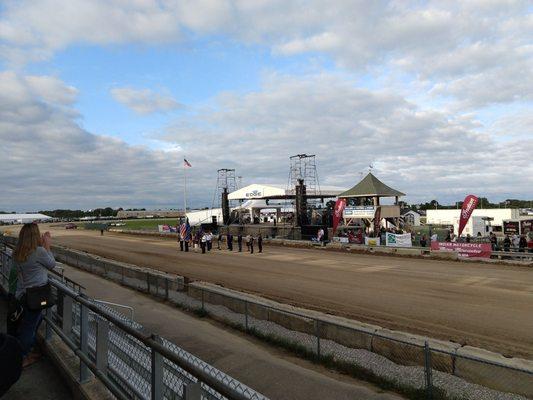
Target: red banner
469,205
482,250
337,213
377,221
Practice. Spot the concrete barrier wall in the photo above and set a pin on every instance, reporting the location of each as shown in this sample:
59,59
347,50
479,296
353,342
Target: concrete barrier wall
504,374
472,364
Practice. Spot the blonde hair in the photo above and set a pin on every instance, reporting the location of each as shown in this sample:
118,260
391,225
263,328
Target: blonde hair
29,240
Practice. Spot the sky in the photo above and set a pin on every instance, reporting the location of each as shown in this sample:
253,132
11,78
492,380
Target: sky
100,101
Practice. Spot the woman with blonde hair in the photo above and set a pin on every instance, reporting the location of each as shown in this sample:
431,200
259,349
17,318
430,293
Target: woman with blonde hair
32,258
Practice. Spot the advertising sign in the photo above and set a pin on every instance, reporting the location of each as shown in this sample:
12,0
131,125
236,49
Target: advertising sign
359,212
370,241
481,250
511,227
340,239
356,238
395,240
166,229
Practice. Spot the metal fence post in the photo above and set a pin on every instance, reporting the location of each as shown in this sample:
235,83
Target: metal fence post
192,391
317,333
122,274
203,301
148,281
84,345
427,367
48,330
157,373
166,288
102,344
67,315
246,315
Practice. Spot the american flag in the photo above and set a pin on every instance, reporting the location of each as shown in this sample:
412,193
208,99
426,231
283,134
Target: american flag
186,163
185,230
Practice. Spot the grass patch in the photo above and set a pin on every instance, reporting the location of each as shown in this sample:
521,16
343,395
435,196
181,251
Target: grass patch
146,224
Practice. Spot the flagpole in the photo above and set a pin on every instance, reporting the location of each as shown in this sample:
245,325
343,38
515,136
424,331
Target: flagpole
185,188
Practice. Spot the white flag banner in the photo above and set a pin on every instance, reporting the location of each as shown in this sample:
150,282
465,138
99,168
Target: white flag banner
395,240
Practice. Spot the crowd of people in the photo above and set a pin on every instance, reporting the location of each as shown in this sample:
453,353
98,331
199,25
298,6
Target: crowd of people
509,243
202,241
513,242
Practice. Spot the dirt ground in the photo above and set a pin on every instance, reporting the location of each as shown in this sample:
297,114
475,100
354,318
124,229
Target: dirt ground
480,304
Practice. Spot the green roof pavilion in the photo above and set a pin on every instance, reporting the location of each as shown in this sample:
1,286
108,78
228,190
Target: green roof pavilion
371,186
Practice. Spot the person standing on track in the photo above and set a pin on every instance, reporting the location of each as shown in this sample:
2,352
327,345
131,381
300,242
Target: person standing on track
260,243
219,240
203,242
229,239
180,239
209,240
185,236
506,243
251,244
239,242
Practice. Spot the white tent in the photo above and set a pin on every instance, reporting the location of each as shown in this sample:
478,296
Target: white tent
197,217
23,218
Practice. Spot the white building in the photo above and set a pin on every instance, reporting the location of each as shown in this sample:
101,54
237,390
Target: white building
23,218
411,218
476,223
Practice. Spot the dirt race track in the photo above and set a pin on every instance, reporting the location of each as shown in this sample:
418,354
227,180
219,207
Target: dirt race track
484,305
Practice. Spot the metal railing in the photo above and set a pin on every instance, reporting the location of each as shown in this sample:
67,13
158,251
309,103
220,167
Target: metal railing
131,362
410,366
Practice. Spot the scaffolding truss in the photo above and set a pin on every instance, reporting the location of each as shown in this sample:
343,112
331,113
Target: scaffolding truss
303,167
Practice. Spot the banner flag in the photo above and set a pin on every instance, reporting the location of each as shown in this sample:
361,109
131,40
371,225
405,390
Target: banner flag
340,204
186,163
372,241
469,205
398,240
377,220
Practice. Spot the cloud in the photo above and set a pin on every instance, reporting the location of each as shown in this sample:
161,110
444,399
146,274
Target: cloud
461,47
467,57
144,101
425,153
47,160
